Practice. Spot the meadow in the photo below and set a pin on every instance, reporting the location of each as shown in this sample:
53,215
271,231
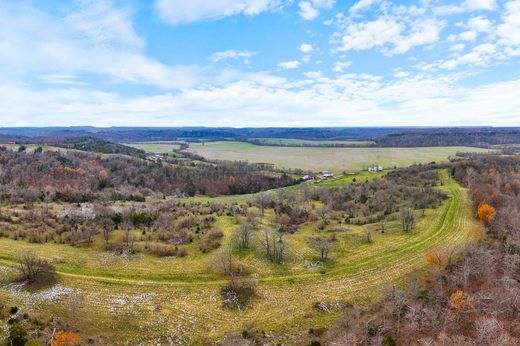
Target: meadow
334,159
177,300
304,142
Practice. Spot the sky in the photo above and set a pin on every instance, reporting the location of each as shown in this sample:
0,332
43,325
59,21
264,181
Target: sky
258,63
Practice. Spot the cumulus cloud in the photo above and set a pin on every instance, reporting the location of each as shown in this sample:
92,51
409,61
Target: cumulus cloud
232,54
467,6
341,66
509,29
306,48
289,65
480,24
390,35
310,10
362,5
182,11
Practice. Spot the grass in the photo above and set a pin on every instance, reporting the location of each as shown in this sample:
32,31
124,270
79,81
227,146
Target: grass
297,189
297,142
333,159
157,147
150,298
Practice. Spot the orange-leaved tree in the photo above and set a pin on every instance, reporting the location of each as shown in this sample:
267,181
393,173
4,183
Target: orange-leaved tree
63,338
458,299
485,212
103,174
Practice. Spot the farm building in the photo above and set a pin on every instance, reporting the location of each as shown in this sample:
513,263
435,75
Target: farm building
327,174
375,168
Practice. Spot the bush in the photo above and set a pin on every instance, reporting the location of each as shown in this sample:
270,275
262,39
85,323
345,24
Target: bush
162,250
211,241
237,296
17,335
34,270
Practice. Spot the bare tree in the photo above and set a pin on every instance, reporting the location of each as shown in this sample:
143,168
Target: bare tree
263,201
383,221
243,235
34,269
274,245
108,226
407,219
323,245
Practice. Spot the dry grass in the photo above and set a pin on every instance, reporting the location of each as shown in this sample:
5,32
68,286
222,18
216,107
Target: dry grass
156,300
333,159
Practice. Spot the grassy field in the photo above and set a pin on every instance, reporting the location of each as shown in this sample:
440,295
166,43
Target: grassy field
156,147
302,142
333,159
177,300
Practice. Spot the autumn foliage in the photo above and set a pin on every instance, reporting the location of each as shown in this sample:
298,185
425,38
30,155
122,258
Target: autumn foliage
63,338
485,212
458,300
103,174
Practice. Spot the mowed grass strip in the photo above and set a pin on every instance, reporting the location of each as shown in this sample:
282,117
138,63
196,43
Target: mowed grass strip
334,159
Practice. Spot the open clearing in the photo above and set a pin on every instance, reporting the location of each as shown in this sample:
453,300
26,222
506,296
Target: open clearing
177,300
156,147
333,159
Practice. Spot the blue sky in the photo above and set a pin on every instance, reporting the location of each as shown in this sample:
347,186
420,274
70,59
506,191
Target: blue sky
260,63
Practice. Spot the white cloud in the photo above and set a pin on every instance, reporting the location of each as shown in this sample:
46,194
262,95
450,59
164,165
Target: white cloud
481,55
469,36
509,29
289,65
341,66
184,11
232,54
467,6
458,47
423,32
350,100
390,35
362,5
367,35
309,10
474,5
306,48
97,39
101,23
480,24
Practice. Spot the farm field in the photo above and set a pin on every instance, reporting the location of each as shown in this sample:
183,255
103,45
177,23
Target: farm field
156,147
177,300
333,159
304,142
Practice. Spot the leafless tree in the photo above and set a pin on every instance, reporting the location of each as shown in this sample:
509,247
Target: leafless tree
407,217
323,245
34,269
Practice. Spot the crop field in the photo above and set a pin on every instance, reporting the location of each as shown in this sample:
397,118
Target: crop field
177,300
333,159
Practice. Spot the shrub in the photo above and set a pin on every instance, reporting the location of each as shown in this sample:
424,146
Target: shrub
17,335
237,296
211,241
162,250
34,270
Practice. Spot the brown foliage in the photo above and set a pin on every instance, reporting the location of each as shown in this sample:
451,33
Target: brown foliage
63,338
485,212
